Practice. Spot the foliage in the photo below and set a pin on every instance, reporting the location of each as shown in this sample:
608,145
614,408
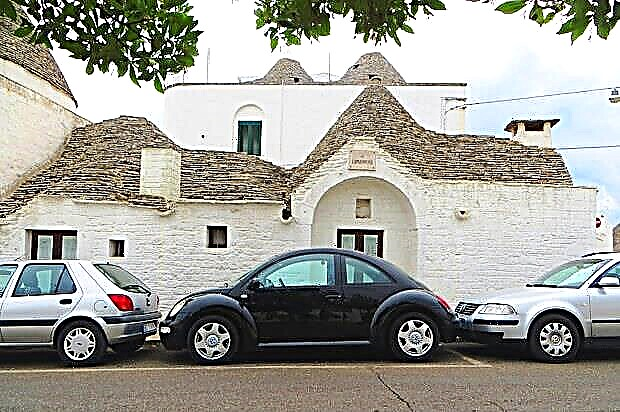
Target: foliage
148,39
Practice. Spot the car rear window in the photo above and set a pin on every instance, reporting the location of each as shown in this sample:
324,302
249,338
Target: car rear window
123,279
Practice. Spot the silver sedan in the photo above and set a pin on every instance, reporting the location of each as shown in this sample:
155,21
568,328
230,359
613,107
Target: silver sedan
556,314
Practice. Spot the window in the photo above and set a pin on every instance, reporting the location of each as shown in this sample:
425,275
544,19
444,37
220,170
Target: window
308,270
37,280
121,278
613,272
49,244
218,236
6,271
249,137
362,208
117,248
571,275
359,272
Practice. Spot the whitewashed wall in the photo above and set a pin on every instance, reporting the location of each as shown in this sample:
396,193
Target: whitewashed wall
296,117
170,252
513,232
35,117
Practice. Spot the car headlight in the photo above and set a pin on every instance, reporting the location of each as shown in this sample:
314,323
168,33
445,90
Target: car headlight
497,309
177,308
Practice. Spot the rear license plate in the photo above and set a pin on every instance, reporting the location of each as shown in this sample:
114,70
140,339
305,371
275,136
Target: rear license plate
150,327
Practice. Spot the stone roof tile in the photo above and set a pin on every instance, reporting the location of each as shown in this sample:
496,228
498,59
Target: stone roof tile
376,114
36,59
285,71
372,68
102,162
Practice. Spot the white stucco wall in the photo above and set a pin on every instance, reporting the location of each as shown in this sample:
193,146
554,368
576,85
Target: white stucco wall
295,117
36,119
390,211
513,232
169,253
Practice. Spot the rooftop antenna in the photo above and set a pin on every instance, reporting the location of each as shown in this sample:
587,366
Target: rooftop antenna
208,62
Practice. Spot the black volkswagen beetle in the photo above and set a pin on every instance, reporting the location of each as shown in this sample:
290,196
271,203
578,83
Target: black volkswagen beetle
313,296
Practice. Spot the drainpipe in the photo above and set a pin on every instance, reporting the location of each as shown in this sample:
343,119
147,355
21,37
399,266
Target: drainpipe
281,161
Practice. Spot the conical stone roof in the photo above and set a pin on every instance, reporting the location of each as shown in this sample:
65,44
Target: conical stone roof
36,59
372,68
376,114
285,71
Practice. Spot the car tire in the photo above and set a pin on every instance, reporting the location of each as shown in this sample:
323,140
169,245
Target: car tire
554,339
129,347
413,337
213,340
81,343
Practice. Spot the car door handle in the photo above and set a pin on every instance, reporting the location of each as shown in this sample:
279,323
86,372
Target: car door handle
65,301
333,297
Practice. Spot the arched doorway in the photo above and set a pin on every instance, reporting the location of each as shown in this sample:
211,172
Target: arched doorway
370,215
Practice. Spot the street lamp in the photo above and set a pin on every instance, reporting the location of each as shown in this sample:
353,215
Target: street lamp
615,96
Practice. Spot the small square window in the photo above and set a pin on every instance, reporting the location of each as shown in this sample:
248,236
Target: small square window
218,236
362,208
117,248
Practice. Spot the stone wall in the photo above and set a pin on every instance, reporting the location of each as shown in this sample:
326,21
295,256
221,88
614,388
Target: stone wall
617,238
34,127
169,253
510,233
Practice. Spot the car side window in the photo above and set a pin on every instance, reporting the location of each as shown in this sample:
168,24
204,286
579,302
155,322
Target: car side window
38,280
307,270
614,271
6,271
361,273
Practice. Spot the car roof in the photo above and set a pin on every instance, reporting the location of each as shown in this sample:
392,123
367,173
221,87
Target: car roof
602,255
44,262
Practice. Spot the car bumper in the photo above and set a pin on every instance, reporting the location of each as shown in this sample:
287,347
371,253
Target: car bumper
171,335
129,327
480,328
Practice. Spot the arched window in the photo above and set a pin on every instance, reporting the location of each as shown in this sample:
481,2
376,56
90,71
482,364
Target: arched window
249,129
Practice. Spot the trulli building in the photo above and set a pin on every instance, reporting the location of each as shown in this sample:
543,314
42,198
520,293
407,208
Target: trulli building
281,163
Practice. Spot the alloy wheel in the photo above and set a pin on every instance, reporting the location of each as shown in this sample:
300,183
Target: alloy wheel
212,341
79,344
415,337
556,339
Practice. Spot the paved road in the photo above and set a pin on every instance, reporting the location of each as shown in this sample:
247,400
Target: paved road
462,377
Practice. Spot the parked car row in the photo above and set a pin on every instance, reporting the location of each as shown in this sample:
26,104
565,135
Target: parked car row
306,297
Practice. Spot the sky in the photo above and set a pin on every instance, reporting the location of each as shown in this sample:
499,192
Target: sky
499,56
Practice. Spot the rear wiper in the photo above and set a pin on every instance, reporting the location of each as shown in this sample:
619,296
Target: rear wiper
138,287
530,285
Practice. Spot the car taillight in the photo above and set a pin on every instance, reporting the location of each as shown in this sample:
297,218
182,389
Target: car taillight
443,303
122,302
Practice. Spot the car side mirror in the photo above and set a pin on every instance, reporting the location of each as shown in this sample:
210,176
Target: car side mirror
608,281
254,284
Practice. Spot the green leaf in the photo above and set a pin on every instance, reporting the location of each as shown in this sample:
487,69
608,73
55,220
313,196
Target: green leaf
23,31
407,28
158,86
567,27
436,5
511,7
274,43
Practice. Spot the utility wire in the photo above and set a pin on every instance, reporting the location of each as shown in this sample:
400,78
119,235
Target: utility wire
540,96
589,147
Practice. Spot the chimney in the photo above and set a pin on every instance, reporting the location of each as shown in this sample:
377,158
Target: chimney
532,132
160,173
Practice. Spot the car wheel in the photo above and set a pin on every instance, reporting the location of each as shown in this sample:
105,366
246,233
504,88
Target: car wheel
413,337
81,343
213,340
554,339
127,348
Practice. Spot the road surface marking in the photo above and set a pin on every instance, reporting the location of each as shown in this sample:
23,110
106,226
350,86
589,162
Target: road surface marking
471,361
238,367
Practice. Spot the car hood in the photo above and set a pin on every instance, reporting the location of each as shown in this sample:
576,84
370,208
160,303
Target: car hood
523,295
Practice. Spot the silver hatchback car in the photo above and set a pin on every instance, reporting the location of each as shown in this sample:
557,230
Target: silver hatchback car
75,306
576,302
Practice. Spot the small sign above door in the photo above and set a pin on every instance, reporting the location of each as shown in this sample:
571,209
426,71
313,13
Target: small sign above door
362,160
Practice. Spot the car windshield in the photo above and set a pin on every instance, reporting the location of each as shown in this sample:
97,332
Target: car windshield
570,275
6,271
123,279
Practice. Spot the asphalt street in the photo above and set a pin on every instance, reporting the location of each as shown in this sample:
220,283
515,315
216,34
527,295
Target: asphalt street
461,377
